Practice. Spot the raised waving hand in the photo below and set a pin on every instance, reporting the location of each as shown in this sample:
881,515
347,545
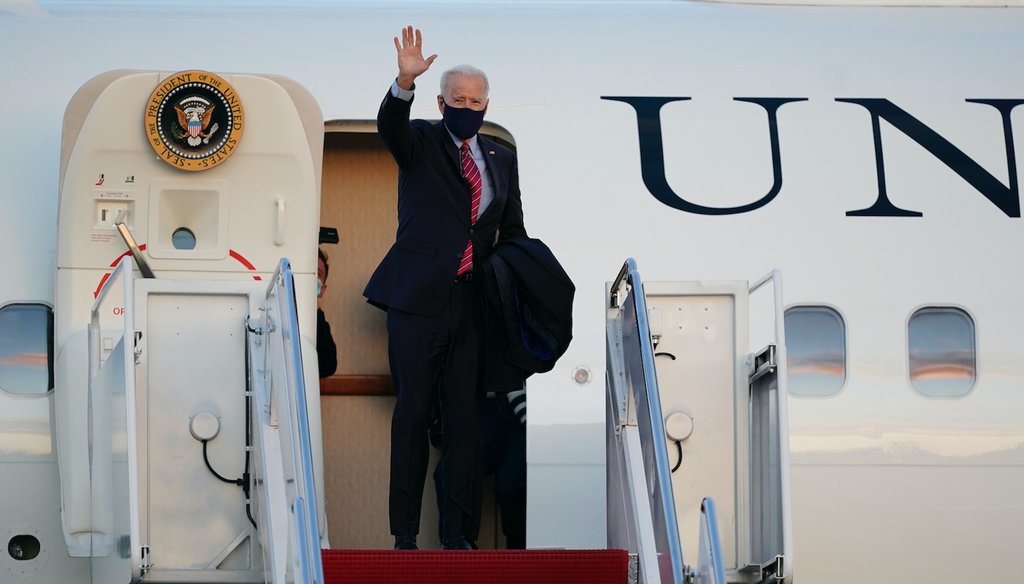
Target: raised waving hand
411,63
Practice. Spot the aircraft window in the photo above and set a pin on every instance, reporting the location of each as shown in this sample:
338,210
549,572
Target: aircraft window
816,349
26,349
942,352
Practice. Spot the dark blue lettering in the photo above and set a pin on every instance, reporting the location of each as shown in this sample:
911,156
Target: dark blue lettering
652,154
1006,198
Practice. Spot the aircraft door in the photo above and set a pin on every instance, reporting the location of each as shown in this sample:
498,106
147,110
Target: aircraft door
699,335
215,183
725,422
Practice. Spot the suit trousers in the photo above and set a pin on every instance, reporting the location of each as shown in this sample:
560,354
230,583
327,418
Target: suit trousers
436,359
503,438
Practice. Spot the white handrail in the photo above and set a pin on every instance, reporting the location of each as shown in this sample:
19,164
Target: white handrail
123,272
304,506
711,546
652,415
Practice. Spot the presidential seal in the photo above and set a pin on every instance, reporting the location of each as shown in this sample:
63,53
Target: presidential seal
194,120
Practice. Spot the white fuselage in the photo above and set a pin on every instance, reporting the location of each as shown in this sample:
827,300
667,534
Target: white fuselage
887,484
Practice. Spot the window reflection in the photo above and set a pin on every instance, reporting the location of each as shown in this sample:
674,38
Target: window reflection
942,352
26,349
816,349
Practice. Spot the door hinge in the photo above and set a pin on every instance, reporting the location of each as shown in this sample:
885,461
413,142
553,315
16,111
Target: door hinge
764,363
138,347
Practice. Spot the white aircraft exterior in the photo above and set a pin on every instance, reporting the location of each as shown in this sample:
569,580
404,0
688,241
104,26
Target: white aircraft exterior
869,153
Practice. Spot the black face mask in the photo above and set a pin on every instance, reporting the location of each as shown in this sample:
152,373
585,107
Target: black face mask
462,121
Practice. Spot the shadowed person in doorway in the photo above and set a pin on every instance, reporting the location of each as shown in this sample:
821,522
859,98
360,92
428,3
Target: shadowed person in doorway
326,350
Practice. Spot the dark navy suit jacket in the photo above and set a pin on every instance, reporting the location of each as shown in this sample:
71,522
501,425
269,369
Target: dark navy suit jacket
418,271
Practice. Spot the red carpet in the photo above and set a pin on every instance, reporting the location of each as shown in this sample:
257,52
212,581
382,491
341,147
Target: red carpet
475,567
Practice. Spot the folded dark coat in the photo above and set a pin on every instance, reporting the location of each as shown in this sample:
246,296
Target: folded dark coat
527,312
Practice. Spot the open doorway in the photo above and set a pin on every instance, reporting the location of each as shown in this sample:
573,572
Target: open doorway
359,198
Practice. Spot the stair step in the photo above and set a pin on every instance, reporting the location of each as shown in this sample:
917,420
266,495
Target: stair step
491,566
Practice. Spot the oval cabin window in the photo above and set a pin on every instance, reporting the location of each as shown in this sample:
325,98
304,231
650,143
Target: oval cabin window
943,359
26,349
816,349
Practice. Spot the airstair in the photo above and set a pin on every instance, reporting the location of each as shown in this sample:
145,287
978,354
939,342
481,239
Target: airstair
680,373
731,475
165,518
276,538
712,508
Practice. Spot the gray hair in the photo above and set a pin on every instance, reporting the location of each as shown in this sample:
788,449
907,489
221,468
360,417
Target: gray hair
467,70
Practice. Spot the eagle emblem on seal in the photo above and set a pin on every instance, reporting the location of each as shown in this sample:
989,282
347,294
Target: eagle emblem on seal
194,120
194,116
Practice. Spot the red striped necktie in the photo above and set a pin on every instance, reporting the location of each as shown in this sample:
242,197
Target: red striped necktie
471,174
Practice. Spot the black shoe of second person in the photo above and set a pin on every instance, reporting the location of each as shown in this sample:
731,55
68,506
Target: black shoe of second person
456,542
405,542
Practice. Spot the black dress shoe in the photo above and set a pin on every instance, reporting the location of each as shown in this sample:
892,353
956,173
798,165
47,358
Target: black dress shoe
456,542
405,542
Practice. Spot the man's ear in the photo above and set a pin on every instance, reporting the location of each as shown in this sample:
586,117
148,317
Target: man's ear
440,104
